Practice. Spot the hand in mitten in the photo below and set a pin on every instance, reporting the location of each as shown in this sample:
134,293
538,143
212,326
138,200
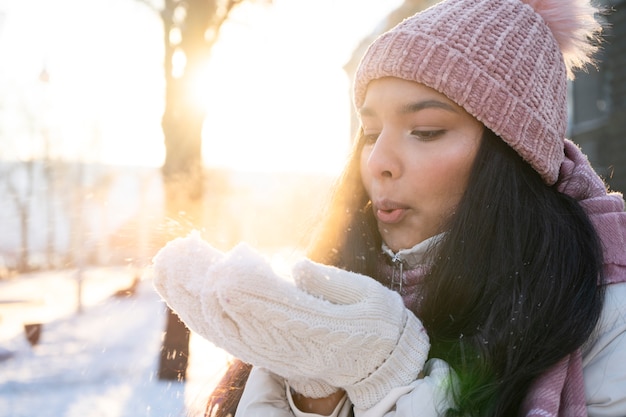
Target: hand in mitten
399,348
360,337
180,272
182,278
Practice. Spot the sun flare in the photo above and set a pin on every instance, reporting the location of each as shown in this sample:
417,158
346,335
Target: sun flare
275,103
276,95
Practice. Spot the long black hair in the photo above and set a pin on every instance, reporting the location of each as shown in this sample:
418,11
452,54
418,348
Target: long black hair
514,287
514,284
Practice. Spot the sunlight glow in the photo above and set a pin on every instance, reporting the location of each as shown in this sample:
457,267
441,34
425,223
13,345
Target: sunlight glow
104,96
281,96
179,60
275,91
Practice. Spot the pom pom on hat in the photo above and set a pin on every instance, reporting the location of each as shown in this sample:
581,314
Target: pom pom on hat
506,62
574,26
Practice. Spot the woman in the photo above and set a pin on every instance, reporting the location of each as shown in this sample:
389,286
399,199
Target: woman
462,196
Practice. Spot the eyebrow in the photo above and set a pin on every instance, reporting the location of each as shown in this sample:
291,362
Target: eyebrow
414,107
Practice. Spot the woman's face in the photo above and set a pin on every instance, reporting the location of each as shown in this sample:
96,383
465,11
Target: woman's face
418,152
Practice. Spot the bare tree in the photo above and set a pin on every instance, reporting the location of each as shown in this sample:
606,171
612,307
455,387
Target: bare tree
190,29
18,179
19,182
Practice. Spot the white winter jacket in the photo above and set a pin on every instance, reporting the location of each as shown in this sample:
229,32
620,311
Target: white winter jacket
604,362
604,371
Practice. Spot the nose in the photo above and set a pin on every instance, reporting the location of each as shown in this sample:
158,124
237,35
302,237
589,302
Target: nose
384,159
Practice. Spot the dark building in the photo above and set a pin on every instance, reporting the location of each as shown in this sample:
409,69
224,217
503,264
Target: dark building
598,102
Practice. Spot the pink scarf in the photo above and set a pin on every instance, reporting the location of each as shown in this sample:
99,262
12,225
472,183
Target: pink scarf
560,392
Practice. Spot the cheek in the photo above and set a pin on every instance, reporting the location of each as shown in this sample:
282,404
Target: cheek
445,179
457,178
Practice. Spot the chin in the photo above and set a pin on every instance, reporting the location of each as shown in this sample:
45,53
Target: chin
398,245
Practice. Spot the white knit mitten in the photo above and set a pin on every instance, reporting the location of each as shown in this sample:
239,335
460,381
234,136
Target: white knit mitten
399,347
182,278
354,334
180,271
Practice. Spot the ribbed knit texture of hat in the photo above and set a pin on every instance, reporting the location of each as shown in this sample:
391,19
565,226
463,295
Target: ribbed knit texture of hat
498,59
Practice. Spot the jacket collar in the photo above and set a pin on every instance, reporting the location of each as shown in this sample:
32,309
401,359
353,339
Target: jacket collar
417,255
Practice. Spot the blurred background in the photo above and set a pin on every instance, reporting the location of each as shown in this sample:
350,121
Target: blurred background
126,123
103,101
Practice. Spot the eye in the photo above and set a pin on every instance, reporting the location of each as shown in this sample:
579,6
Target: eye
427,135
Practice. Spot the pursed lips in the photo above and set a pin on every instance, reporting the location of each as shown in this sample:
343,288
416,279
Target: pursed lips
389,212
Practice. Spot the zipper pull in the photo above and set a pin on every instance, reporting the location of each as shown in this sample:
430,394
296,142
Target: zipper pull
397,274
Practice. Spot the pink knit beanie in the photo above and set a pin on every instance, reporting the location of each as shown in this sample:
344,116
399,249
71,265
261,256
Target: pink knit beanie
506,62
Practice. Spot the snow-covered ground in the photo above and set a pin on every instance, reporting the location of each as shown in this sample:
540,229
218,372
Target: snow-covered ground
101,362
